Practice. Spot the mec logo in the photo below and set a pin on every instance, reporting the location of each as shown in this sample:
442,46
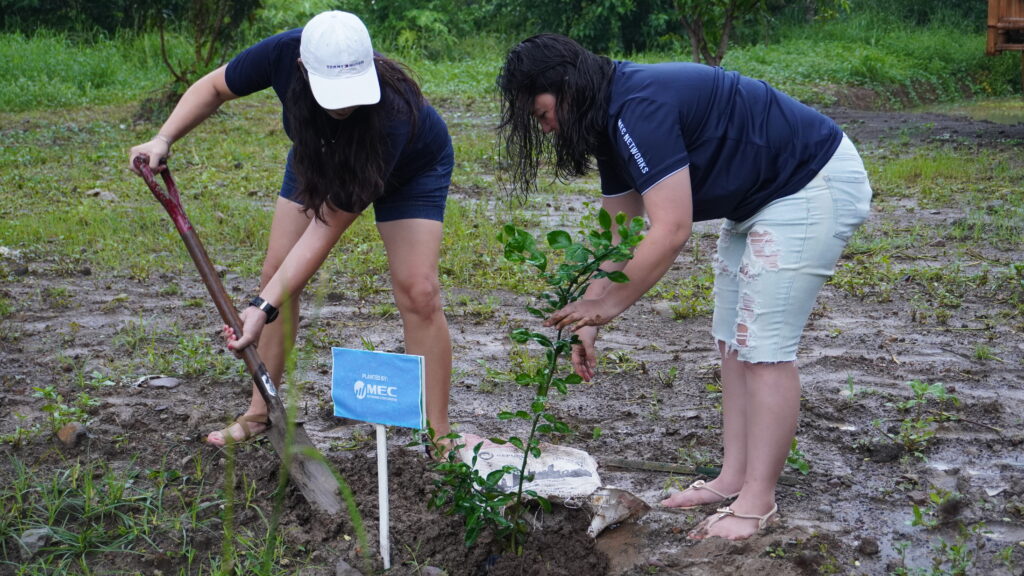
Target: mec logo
363,389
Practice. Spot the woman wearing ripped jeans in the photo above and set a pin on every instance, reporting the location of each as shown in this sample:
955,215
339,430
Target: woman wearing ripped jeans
682,143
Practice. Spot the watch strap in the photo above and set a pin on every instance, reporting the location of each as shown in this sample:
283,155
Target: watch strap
269,309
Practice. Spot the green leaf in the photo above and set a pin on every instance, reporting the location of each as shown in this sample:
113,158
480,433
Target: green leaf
541,339
508,231
524,379
577,253
559,239
536,312
605,219
538,260
618,277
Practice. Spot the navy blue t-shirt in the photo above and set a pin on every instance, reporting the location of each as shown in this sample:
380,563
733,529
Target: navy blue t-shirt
272,63
746,144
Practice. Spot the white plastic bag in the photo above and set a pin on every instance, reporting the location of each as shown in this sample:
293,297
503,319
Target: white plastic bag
561,474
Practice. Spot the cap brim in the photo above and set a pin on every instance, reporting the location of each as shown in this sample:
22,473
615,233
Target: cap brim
336,93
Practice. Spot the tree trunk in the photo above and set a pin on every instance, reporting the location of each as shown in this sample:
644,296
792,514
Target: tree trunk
695,30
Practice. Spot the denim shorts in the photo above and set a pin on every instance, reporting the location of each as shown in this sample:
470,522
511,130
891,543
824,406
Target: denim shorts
424,196
770,267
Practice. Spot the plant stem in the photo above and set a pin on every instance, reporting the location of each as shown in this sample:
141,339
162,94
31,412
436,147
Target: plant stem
548,376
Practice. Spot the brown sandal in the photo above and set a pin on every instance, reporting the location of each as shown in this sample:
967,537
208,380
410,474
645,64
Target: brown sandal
243,422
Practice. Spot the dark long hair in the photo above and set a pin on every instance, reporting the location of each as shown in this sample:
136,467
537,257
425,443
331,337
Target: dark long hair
344,162
579,80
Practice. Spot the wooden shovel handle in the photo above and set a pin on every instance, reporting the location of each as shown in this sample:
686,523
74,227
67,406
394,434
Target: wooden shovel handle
171,201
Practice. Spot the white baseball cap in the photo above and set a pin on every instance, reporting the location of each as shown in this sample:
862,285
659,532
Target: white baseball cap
337,54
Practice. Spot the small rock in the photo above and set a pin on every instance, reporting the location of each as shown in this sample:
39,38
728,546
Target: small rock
343,568
102,194
72,434
161,382
664,309
918,497
868,546
809,559
882,453
195,418
34,540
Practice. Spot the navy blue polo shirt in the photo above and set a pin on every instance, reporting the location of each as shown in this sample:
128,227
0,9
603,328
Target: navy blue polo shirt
273,63
746,144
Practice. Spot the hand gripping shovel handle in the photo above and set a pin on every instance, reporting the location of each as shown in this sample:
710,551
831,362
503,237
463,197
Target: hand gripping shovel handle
172,203
312,475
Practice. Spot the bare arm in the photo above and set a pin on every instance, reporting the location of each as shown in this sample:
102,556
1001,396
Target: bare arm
632,205
304,259
669,206
197,104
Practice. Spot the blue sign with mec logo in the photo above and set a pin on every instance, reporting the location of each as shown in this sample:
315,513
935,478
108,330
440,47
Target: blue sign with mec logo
378,387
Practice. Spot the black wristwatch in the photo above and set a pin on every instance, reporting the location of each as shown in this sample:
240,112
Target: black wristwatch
267,308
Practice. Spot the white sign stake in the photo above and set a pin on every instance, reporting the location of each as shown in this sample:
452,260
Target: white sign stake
385,389
382,494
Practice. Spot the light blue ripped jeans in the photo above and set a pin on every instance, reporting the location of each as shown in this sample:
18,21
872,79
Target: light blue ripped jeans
769,268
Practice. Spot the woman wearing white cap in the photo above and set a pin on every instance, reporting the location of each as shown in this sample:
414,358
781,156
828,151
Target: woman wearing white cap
362,134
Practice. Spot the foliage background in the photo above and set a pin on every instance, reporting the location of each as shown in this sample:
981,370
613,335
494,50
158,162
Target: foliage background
56,54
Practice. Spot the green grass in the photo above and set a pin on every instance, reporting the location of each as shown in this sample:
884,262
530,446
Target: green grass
95,519
75,129
51,72
907,65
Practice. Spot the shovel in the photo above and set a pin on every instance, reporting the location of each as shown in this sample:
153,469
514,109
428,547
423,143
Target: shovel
306,467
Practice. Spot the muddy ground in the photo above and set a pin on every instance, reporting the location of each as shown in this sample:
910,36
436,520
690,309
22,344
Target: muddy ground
850,514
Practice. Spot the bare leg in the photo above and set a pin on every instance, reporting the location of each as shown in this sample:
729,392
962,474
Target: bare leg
734,436
288,225
414,248
773,392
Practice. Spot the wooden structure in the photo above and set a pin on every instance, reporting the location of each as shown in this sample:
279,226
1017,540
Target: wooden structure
1005,26
1006,30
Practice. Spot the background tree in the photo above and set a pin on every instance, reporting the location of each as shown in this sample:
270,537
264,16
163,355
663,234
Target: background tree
216,27
710,24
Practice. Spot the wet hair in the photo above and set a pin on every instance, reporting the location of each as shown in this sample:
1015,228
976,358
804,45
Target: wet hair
345,162
579,80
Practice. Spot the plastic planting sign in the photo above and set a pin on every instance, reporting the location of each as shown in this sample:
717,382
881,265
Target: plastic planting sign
378,387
